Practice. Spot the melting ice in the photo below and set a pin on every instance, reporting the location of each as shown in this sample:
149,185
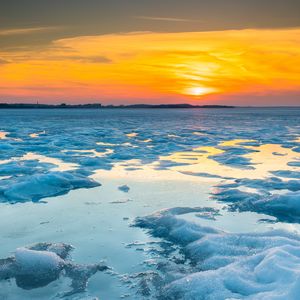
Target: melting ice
182,204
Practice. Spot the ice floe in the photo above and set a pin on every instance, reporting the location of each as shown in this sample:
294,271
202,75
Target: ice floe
285,207
221,143
225,265
124,188
38,265
255,151
287,174
266,184
34,187
294,163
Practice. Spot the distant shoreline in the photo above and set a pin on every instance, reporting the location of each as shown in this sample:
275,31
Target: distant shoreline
130,106
100,106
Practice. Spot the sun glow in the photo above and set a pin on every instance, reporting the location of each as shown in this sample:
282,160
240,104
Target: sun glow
199,91
156,67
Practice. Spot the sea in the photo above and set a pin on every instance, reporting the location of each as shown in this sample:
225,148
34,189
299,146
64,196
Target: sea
150,203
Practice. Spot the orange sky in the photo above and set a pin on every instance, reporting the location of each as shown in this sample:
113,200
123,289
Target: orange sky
242,67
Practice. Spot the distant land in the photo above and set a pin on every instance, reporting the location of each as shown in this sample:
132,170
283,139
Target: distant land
100,106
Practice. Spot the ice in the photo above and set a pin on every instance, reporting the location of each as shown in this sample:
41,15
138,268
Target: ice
39,264
18,168
285,207
235,196
58,165
271,183
234,156
201,174
120,201
91,140
163,223
4,146
124,188
42,262
287,174
208,213
279,154
167,158
294,163
37,186
227,265
272,196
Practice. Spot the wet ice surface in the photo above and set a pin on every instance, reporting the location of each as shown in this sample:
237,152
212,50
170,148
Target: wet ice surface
97,229
224,184
225,265
38,265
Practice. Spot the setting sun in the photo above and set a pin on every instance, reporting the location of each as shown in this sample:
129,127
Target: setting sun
158,67
199,91
156,142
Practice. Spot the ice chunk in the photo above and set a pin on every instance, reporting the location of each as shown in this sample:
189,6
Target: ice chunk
285,207
39,262
163,223
234,157
36,268
279,154
235,196
120,201
287,174
39,186
42,263
226,265
294,163
201,174
124,188
271,183
208,213
188,132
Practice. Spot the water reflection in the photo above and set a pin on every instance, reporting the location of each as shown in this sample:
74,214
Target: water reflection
263,160
60,165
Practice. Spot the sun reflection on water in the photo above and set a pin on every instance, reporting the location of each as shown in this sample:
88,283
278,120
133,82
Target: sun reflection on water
200,161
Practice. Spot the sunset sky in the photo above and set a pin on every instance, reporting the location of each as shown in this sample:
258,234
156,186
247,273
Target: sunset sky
118,52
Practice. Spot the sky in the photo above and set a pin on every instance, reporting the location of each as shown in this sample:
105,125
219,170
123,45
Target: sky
234,52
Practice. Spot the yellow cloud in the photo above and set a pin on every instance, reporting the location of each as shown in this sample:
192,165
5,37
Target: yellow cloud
146,65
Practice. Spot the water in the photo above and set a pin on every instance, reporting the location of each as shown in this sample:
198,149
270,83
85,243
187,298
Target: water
61,171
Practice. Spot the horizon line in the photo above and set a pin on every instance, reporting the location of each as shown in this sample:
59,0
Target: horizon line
135,105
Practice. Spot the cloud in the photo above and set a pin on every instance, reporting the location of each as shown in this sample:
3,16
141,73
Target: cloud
196,65
91,59
3,61
94,59
165,19
28,30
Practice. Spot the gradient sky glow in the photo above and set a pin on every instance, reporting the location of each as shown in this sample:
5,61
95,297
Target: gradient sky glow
195,52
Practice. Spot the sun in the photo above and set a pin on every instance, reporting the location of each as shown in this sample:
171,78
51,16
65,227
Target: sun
198,91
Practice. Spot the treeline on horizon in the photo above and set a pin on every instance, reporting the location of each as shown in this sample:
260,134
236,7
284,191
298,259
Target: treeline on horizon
100,106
